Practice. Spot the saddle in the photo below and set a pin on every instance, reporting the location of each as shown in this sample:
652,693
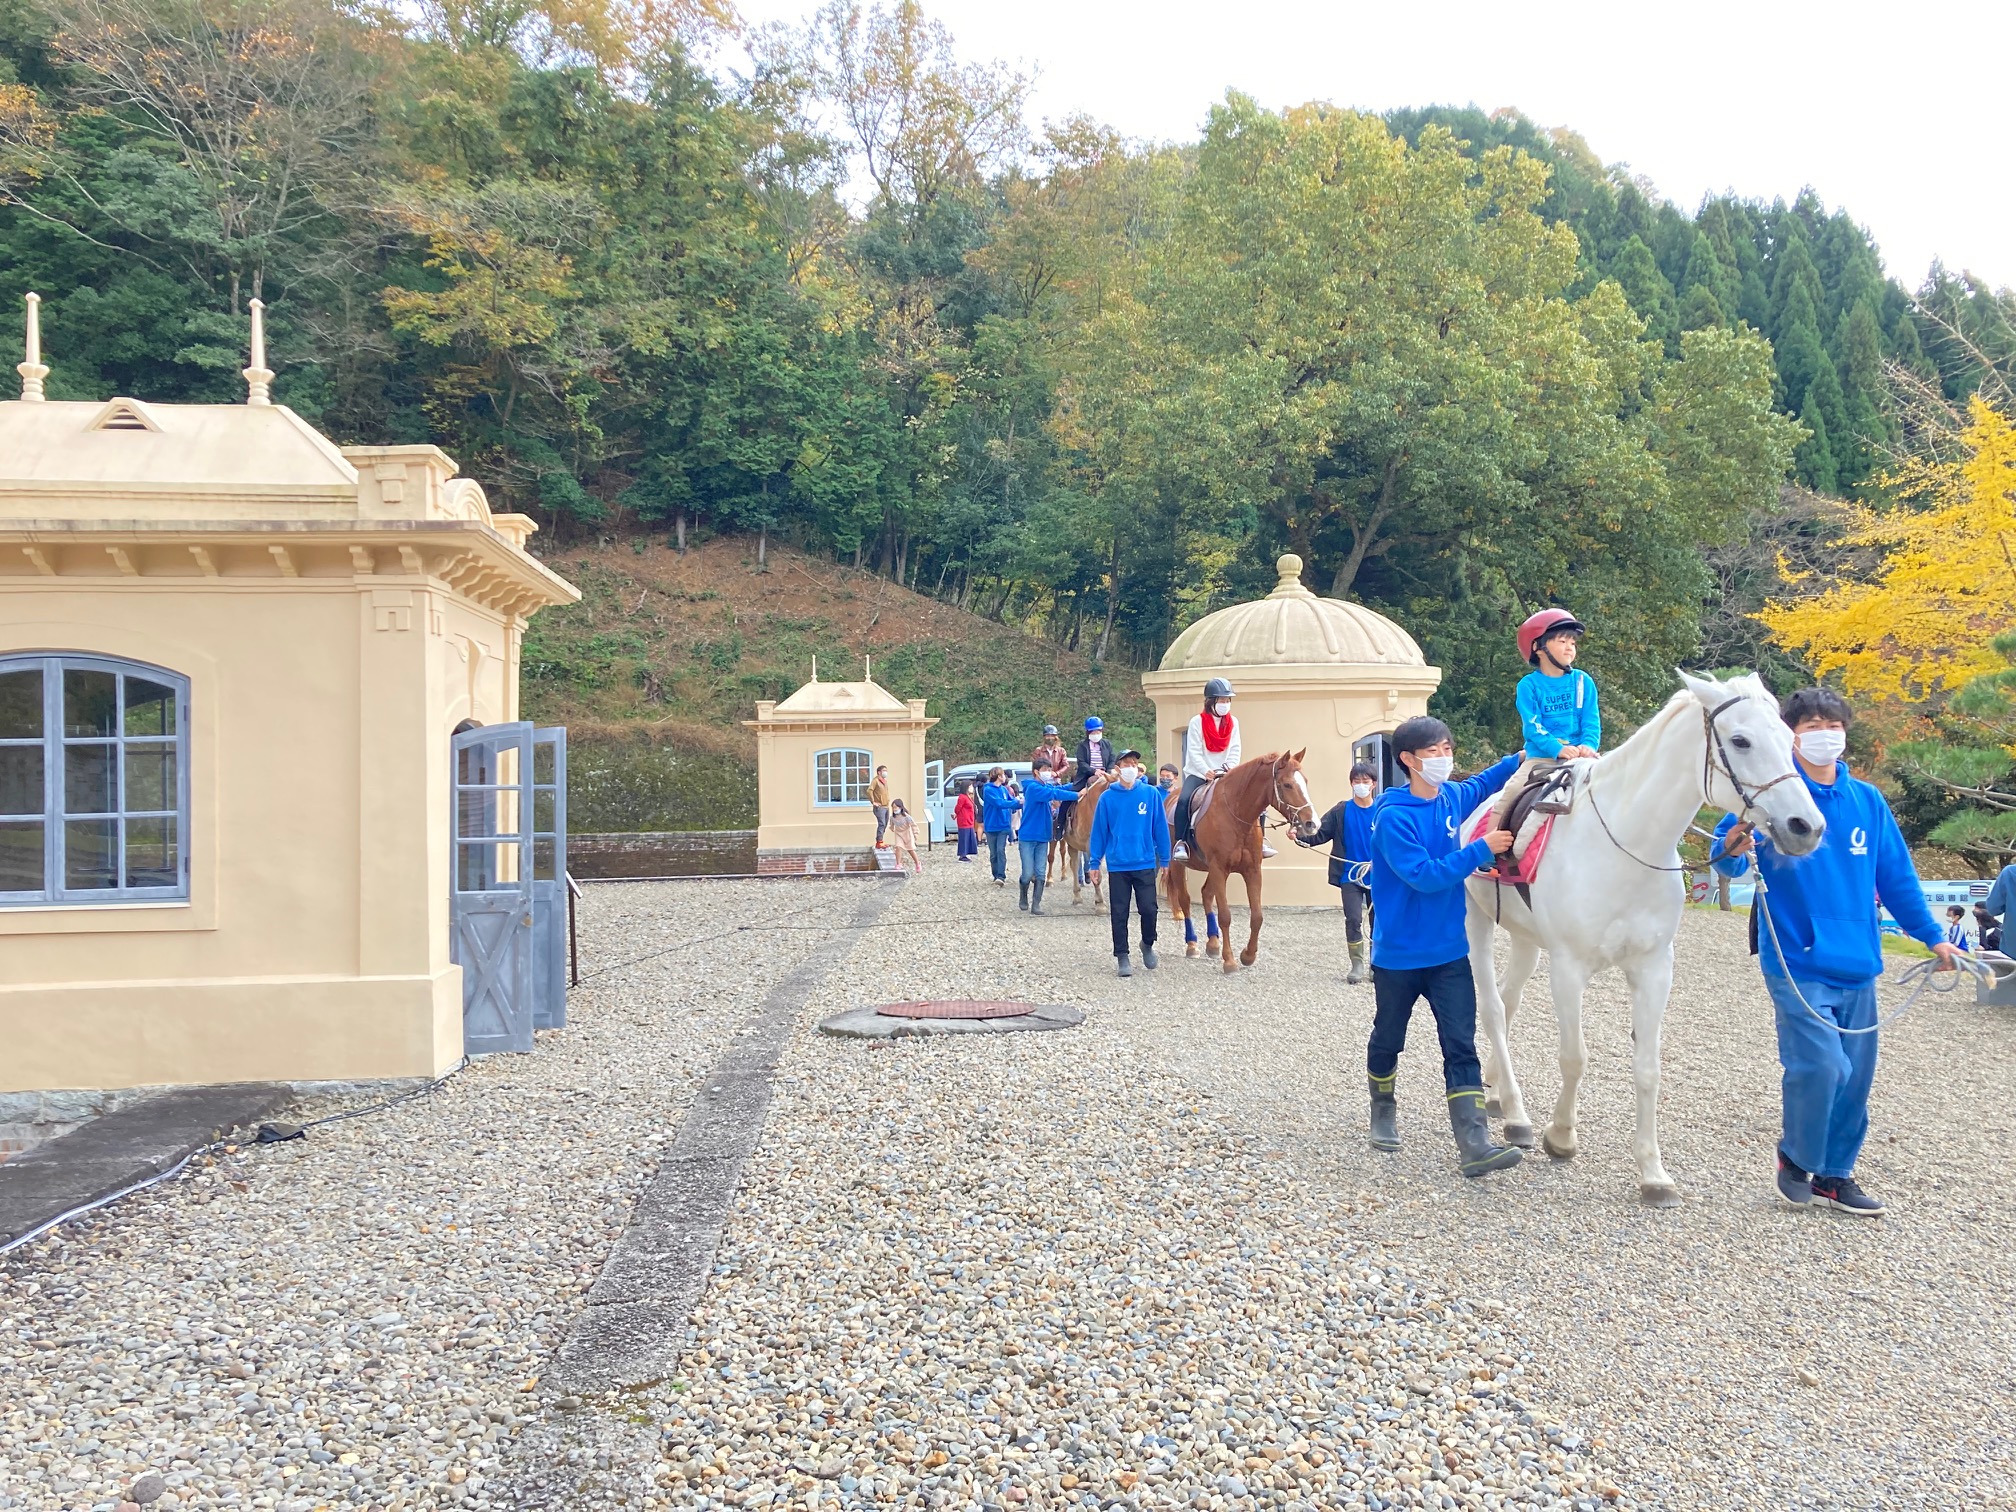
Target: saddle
1549,793
1199,805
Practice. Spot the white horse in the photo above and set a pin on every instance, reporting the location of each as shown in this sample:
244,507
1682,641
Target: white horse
1611,891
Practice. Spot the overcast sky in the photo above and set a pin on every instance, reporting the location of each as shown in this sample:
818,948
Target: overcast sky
1889,110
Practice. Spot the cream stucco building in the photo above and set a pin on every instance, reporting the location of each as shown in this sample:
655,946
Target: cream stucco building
232,656
816,753
1312,672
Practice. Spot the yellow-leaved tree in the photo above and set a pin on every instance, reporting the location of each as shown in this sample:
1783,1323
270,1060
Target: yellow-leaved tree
1945,584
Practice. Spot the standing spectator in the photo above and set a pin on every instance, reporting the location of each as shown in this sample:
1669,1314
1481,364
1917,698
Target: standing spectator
1956,928
965,820
997,818
878,800
1822,952
1168,777
1348,829
1987,929
1130,838
2002,896
903,832
1419,948
1038,793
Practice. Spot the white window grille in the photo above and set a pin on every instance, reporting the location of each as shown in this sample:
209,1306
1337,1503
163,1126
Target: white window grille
841,776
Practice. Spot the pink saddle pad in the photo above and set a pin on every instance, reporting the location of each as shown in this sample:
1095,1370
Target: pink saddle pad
1529,862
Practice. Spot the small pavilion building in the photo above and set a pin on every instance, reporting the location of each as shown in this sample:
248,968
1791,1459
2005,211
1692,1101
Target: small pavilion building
1320,673
816,753
233,658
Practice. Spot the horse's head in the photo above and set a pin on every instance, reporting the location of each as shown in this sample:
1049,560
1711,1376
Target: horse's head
1291,793
1749,766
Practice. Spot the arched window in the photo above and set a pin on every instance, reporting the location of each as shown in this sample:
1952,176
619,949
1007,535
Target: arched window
94,781
841,776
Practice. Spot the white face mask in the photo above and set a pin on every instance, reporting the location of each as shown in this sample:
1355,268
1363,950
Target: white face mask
1221,708
1127,774
1436,769
1823,747
1361,790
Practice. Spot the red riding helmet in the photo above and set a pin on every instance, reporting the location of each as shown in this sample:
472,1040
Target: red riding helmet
1539,626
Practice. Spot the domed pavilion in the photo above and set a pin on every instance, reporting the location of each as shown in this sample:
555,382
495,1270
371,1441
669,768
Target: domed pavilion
1320,673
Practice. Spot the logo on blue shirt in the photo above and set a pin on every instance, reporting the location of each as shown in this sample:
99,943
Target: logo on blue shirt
1858,842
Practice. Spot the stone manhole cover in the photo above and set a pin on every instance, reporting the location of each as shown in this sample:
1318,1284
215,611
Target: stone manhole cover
955,1009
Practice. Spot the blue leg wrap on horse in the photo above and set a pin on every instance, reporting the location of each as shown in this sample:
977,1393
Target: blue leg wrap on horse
1211,923
1189,931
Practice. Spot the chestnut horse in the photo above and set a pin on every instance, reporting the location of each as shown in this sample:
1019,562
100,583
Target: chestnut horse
1225,838
1074,842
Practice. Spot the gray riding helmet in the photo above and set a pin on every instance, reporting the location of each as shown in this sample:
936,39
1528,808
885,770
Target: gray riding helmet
1218,688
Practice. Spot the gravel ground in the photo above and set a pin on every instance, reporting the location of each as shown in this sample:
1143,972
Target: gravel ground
350,1320
1149,1261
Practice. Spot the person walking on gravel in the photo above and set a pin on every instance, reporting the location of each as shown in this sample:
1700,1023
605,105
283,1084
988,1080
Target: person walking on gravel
1419,948
878,800
1348,830
1038,793
1130,838
1821,951
903,836
997,818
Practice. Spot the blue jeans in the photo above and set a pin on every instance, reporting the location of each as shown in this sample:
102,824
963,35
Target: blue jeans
997,854
1035,858
1827,1073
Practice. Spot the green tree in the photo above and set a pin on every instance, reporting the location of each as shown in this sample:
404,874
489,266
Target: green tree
1971,763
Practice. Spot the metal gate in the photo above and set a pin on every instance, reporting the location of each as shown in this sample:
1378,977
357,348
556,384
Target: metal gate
549,878
491,935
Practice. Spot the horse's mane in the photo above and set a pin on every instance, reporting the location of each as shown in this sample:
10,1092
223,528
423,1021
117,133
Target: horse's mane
1745,685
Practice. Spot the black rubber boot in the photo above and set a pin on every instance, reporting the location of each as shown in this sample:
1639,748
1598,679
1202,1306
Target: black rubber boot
1022,891
1036,895
1472,1127
1385,1112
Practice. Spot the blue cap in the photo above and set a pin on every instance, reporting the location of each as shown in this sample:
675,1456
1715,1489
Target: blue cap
1095,723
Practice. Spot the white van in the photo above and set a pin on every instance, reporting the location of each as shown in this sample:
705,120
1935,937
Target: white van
940,798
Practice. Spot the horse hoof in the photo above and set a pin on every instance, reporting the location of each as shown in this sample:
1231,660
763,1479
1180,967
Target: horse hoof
1520,1135
1494,1109
1248,957
1659,1194
1190,951
1554,1151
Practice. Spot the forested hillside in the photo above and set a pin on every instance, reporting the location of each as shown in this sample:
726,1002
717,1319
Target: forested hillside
849,298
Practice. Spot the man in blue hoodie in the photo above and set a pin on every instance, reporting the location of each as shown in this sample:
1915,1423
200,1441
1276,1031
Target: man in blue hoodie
1821,949
1419,948
1038,793
1130,838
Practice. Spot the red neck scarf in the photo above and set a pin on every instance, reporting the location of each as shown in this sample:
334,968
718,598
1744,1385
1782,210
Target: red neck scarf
1217,732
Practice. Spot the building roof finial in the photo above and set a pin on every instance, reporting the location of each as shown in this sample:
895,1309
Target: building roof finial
259,377
815,669
33,371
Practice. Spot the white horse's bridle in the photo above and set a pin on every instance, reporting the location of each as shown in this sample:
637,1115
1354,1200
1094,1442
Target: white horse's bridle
1715,758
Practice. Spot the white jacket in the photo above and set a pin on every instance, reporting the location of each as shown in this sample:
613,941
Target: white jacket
1198,762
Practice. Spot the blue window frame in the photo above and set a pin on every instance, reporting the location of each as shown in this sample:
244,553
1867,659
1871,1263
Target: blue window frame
840,777
94,781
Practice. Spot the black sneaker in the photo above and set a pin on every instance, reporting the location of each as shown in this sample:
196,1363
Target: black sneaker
1844,1196
1794,1184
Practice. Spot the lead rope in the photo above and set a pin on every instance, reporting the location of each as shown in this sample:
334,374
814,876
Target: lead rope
1923,972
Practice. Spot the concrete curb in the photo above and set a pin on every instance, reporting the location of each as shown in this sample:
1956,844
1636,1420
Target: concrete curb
633,1329
118,1149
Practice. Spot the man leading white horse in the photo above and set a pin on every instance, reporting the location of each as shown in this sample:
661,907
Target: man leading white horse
1821,952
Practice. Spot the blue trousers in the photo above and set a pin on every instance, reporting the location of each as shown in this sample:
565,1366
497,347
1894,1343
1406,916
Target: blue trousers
1452,997
1827,1073
1035,857
997,854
